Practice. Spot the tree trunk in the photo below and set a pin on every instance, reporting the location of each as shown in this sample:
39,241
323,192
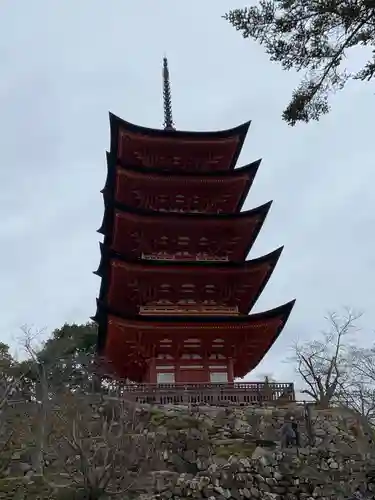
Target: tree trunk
324,401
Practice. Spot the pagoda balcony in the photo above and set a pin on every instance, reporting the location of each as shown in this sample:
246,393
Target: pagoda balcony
192,309
177,210
238,393
185,257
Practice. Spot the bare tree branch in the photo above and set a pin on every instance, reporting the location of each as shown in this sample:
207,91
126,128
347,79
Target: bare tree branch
323,364
8,385
105,456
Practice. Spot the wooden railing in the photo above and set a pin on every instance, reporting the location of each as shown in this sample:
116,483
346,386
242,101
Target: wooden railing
200,257
238,393
200,309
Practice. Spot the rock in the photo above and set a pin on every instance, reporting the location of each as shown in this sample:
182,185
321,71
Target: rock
190,456
246,493
219,461
235,494
245,463
333,465
263,455
222,491
203,482
270,481
24,467
254,492
207,491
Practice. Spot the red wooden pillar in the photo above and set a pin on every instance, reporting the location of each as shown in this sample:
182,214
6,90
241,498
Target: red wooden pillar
177,352
206,368
152,378
230,371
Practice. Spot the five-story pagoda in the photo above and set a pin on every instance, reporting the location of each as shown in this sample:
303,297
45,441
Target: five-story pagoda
176,287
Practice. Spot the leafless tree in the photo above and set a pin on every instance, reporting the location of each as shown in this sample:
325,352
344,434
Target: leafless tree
360,394
361,398
363,359
29,341
323,364
8,385
100,445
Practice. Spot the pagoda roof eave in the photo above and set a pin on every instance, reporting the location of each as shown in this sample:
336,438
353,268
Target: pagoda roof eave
241,272
261,209
108,255
240,130
111,206
282,313
248,169
247,172
284,310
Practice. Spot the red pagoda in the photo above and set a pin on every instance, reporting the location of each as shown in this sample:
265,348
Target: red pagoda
176,288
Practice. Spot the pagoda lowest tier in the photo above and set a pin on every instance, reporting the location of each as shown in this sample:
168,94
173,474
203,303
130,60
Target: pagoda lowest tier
163,287
141,234
173,191
176,150
187,350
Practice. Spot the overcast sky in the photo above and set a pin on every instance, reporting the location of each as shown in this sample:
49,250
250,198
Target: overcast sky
65,64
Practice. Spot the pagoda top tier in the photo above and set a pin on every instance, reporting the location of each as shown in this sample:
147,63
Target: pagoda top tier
169,149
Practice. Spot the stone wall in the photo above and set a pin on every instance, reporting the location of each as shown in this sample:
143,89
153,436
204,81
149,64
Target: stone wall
235,453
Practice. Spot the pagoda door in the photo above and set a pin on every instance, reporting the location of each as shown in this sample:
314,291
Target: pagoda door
218,377
165,378
192,375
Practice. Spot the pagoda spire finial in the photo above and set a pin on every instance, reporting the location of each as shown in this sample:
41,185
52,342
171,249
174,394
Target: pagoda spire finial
167,97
